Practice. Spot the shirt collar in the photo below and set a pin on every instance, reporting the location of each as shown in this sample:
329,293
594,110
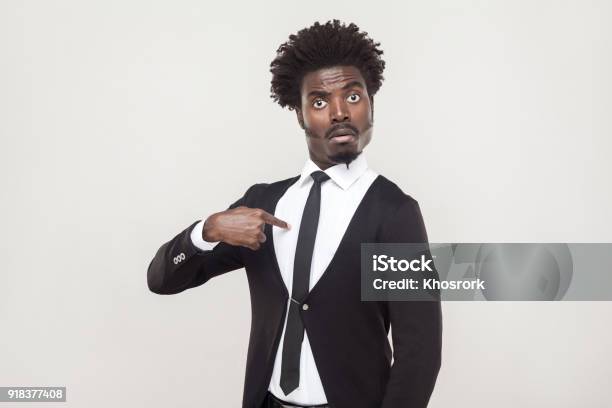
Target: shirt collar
341,175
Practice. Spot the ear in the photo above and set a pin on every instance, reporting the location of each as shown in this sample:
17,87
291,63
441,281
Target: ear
372,106
300,117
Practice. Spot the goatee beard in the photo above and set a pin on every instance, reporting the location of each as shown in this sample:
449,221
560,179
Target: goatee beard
344,157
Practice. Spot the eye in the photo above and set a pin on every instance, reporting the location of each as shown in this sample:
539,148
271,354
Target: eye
319,103
353,98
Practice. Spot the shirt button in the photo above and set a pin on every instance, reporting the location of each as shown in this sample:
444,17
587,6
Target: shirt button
305,306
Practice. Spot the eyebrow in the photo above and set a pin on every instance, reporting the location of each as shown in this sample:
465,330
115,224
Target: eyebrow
347,86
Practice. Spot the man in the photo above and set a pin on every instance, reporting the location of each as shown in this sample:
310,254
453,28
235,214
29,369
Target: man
313,342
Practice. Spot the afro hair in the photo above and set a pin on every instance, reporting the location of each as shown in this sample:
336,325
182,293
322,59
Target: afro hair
320,46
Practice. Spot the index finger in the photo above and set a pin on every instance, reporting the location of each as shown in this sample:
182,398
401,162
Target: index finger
270,219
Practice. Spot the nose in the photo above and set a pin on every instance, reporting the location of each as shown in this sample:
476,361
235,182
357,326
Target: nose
339,111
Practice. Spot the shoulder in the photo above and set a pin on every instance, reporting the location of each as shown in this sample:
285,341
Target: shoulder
403,221
392,195
261,190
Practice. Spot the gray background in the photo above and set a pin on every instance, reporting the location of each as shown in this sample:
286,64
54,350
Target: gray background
124,121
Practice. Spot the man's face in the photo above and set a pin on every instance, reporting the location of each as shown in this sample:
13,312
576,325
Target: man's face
336,114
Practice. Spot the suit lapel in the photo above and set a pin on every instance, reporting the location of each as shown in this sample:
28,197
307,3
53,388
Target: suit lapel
276,191
360,213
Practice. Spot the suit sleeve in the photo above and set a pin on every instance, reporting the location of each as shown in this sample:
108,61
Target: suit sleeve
179,264
416,326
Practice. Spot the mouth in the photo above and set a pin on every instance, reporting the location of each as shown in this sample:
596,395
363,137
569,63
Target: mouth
343,138
343,135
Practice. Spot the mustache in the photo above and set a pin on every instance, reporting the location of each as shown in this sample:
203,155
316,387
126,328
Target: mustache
341,126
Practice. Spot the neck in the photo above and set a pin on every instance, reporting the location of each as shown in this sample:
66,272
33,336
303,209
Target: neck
322,164
347,159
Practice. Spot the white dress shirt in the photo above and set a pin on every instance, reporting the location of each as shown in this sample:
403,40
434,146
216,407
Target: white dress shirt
340,197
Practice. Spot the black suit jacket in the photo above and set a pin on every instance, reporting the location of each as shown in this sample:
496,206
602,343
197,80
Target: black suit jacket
348,337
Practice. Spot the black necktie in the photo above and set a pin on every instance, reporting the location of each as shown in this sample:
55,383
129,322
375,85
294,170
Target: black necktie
294,333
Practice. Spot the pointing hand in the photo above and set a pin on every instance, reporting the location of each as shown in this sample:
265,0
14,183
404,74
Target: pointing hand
242,226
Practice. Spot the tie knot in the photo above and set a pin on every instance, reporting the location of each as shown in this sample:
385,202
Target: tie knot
319,176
